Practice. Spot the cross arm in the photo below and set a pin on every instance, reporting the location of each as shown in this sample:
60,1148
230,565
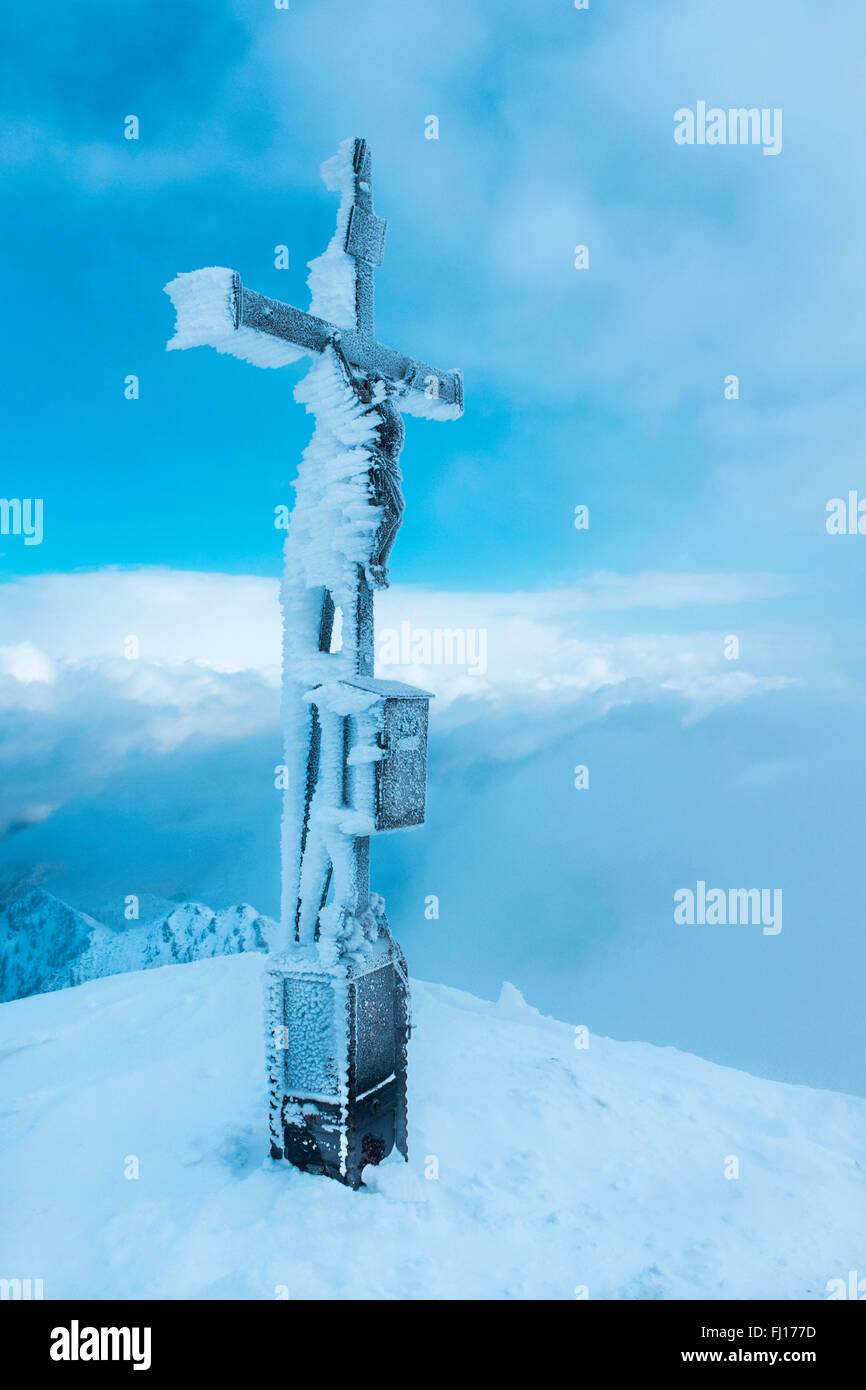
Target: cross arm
214,309
441,392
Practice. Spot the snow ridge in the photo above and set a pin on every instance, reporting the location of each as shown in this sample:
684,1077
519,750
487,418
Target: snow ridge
47,945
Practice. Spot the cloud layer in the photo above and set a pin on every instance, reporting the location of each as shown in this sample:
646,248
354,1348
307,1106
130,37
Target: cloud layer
98,667
155,775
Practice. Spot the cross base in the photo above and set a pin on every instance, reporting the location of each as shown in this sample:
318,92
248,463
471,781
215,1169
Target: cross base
337,1060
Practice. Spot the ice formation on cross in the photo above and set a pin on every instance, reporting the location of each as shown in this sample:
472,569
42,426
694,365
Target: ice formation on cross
354,747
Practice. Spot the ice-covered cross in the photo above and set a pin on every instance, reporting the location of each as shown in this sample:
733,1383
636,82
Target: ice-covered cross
214,309
355,747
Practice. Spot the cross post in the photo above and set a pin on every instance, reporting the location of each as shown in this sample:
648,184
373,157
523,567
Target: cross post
355,747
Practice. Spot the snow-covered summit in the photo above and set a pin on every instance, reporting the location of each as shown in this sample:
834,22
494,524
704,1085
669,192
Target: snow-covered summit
536,1168
45,944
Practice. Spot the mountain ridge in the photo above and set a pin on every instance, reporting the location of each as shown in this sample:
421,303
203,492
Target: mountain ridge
46,944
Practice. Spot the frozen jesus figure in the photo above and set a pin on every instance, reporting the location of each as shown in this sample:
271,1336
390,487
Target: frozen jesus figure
385,476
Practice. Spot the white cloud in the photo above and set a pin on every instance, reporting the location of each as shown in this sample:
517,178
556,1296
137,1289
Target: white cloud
230,623
222,621
25,663
209,649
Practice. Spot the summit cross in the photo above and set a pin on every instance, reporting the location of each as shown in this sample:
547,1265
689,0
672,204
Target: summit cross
338,1017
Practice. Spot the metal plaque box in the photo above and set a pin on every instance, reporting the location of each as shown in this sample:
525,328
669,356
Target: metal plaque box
401,772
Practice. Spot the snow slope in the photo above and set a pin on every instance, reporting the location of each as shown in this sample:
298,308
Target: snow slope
556,1167
45,944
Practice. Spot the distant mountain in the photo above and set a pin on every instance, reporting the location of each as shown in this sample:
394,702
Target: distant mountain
39,937
45,944
150,907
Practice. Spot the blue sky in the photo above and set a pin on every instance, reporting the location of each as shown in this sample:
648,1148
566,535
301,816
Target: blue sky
555,128
602,387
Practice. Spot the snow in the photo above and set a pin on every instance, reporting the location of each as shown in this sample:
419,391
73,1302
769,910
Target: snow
331,534
331,280
424,407
557,1167
203,300
333,525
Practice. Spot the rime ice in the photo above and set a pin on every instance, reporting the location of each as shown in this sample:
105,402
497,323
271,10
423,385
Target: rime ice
355,749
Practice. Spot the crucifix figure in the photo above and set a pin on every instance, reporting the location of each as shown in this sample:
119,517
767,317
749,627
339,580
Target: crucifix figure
355,747
385,475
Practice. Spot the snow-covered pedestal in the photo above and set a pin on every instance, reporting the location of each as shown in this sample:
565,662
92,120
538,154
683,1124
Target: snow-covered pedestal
337,1045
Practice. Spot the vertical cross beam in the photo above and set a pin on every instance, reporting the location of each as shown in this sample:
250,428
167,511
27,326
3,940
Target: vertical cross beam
338,1020
365,242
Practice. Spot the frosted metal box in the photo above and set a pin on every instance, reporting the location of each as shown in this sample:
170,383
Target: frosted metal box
401,772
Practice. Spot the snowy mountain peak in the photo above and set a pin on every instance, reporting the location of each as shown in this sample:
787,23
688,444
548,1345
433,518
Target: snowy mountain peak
39,936
45,944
